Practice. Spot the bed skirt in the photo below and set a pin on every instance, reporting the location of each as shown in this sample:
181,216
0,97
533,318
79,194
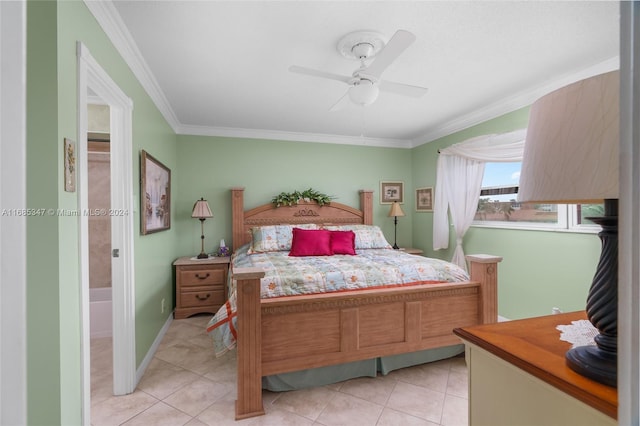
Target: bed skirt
367,368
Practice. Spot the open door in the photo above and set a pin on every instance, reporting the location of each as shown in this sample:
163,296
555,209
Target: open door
94,81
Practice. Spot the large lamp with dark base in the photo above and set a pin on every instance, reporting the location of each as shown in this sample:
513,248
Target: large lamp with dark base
571,157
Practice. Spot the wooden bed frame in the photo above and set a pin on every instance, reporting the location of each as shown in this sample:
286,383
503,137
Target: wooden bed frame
342,327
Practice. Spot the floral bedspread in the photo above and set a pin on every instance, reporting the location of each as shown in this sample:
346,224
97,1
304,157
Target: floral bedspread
289,276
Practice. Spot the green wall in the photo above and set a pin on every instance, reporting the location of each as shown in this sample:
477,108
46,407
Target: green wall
53,287
43,284
210,166
541,269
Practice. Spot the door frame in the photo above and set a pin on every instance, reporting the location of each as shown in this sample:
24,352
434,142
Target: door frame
92,77
629,226
13,229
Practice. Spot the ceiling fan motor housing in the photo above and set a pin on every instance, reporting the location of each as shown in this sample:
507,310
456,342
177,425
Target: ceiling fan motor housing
361,45
362,50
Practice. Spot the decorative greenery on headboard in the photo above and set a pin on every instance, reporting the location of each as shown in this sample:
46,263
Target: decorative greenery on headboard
291,198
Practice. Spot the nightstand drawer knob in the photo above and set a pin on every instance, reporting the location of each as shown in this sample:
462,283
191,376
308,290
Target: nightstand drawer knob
203,277
205,297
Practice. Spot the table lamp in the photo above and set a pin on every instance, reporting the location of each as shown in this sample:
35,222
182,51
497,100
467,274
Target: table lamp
395,212
571,157
202,211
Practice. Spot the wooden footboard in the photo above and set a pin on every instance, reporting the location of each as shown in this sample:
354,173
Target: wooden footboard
300,332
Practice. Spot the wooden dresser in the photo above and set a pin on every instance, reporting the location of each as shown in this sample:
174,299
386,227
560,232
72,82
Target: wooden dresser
201,285
518,376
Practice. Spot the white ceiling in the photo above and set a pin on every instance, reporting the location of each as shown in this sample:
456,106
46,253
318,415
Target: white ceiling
221,67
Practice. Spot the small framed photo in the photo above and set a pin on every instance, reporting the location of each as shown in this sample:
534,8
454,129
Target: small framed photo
155,195
424,199
391,192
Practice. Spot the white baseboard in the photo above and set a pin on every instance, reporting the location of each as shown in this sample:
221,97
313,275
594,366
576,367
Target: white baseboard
152,350
502,319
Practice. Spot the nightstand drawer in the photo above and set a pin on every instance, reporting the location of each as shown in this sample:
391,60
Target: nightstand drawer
203,298
200,277
201,285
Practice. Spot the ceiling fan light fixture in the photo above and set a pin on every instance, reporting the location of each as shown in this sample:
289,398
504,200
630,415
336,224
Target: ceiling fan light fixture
363,93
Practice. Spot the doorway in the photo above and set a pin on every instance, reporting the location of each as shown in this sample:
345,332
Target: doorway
100,277
99,198
94,83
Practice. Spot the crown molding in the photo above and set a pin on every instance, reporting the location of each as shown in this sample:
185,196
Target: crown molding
512,103
107,16
233,132
109,19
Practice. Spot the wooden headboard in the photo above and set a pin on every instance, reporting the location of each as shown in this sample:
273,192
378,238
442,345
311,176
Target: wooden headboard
304,212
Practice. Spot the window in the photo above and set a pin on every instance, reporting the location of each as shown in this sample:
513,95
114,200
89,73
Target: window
498,205
580,214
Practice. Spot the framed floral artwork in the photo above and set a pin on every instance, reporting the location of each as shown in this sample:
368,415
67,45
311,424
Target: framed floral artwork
69,165
424,199
391,192
155,195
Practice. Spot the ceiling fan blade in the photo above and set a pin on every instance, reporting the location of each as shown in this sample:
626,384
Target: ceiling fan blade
318,73
398,44
342,103
402,89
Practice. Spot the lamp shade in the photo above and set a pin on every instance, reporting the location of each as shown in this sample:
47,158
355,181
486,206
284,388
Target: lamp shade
571,148
201,209
396,211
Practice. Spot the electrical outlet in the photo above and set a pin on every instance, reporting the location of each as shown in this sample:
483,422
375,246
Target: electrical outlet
162,305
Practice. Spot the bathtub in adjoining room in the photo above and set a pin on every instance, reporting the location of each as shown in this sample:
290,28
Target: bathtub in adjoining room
100,312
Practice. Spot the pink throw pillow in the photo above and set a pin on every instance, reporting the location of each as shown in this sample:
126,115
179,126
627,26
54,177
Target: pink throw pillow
310,242
343,242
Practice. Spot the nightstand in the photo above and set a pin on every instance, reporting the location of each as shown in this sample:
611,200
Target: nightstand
201,285
411,250
518,375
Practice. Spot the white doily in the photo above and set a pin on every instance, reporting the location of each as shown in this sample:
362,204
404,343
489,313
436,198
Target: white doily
579,333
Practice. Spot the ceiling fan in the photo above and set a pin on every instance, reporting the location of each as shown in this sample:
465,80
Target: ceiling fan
366,82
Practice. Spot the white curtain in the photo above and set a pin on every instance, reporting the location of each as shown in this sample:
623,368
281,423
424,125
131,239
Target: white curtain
458,182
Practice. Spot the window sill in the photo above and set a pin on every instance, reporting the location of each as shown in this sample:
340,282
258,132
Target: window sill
533,227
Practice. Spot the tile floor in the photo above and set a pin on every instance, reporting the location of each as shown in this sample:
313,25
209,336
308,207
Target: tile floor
186,385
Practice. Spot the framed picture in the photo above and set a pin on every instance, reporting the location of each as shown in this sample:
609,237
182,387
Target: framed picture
424,199
69,165
391,192
155,195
